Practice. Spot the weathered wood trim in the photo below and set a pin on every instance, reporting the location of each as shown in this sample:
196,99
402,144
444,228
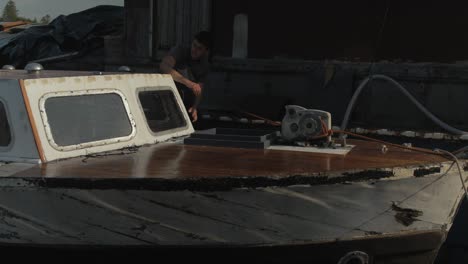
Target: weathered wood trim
32,121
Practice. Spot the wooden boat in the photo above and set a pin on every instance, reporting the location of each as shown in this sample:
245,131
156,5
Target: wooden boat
97,161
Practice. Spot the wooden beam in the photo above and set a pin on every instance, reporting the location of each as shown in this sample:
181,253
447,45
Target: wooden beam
138,28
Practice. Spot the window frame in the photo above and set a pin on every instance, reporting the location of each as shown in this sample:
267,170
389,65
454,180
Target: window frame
178,101
47,128
7,115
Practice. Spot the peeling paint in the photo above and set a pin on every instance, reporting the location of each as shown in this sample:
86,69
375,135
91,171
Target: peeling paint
373,233
409,134
10,236
225,118
386,132
434,135
209,184
406,216
426,171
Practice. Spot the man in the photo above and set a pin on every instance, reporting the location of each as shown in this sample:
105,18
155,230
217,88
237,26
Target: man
189,67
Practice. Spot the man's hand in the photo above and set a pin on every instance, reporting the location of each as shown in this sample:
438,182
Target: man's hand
194,114
196,89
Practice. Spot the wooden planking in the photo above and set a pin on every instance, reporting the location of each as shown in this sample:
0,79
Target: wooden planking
271,216
166,23
176,161
179,20
138,38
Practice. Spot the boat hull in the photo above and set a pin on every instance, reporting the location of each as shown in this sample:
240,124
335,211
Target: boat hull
403,220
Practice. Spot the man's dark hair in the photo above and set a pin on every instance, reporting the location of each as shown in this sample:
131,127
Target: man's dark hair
204,37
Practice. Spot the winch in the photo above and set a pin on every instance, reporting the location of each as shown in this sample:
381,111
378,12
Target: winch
306,125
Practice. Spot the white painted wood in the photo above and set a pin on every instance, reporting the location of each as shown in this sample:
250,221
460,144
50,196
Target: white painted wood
48,129
22,147
336,151
127,85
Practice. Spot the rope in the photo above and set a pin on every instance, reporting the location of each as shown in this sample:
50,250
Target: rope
460,171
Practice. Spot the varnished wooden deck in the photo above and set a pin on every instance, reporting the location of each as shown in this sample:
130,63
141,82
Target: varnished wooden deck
176,161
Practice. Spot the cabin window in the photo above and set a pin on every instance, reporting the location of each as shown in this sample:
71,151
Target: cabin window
80,119
5,133
161,110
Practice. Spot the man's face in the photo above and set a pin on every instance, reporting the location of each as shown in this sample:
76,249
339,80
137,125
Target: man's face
198,50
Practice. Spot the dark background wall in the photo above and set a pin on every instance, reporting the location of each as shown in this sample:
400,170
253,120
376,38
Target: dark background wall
414,30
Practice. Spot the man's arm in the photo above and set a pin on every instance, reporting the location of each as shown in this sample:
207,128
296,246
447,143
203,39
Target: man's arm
167,66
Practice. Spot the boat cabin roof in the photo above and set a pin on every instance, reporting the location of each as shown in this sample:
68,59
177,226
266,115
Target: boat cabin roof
55,115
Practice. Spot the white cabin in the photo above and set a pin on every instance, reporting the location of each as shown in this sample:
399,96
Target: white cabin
53,115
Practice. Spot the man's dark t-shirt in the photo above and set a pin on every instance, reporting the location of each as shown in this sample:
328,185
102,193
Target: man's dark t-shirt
194,70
